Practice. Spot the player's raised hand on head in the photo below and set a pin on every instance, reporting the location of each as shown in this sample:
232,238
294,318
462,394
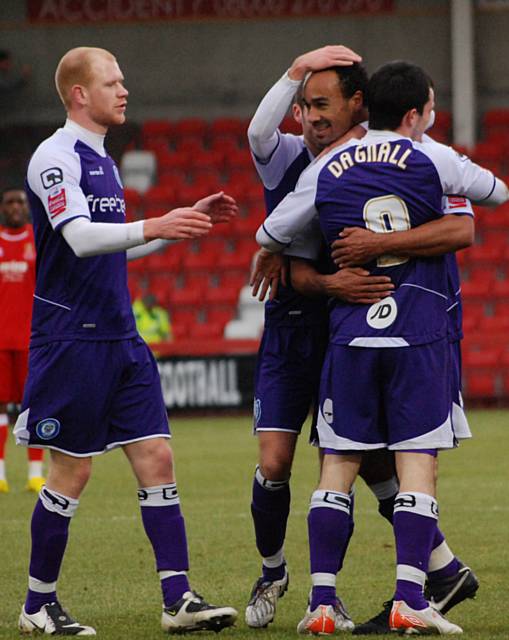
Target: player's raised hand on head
268,270
323,58
219,206
179,224
357,286
355,247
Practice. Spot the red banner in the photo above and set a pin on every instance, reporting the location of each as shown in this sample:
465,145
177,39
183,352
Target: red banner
97,11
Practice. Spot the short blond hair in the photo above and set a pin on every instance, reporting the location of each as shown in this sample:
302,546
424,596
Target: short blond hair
76,67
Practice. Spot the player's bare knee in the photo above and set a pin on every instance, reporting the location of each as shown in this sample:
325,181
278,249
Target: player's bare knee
276,466
68,475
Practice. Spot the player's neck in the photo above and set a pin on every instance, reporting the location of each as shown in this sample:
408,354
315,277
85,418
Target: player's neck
92,138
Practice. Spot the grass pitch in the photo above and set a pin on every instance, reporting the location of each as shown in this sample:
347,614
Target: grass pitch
109,581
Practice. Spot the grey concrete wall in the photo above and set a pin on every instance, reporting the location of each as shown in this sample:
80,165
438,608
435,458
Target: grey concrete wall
213,68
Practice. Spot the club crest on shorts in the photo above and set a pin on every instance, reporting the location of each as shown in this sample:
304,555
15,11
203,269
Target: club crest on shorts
48,428
382,314
257,411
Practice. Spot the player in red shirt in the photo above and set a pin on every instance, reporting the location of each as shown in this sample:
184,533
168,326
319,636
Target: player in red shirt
17,283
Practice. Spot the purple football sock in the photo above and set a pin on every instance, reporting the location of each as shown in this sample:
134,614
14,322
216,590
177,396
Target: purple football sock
330,527
165,528
270,507
415,523
49,531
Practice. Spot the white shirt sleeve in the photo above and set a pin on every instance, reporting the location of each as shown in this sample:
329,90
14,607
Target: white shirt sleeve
54,175
308,243
293,213
459,175
87,238
262,132
143,250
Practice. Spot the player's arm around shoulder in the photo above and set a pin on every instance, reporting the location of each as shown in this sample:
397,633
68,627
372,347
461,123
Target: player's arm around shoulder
352,285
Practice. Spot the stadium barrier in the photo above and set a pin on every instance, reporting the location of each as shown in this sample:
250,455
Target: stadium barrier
205,375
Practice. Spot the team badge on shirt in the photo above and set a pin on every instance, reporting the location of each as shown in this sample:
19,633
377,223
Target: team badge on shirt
57,203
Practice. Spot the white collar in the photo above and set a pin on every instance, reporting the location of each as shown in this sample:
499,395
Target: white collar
92,139
377,136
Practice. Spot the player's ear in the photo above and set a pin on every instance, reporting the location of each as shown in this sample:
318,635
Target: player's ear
78,94
297,112
410,118
357,101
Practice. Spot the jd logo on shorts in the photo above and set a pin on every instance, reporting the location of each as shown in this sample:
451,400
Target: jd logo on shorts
382,314
48,428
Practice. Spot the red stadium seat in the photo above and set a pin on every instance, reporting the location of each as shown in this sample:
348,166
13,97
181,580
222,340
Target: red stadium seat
206,331
221,314
443,120
487,253
501,290
224,294
190,127
481,355
171,160
493,219
495,120
248,225
186,297
473,312
239,159
487,151
190,144
495,324
153,128
225,144
157,146
228,126
162,195
207,159
243,175
480,386
202,257
289,125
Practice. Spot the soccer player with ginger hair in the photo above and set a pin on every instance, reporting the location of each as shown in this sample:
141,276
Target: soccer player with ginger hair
85,345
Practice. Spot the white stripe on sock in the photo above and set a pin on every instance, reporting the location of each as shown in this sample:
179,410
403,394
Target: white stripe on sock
440,557
270,485
410,574
162,495
323,579
421,504
170,574
272,562
41,587
331,500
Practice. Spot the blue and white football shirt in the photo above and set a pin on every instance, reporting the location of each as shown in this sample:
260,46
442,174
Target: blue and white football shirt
70,175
